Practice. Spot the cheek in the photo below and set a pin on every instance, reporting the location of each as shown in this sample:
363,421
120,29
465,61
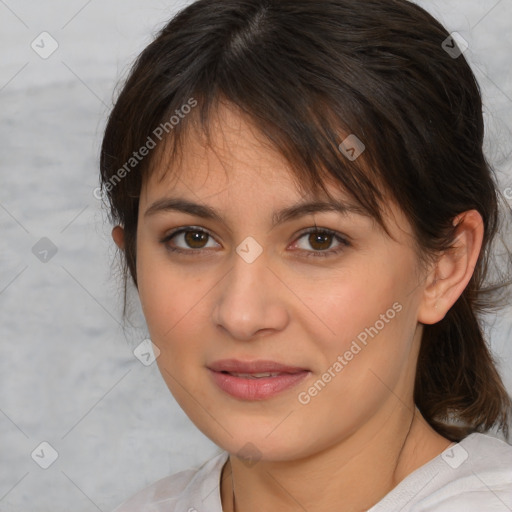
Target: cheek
159,290
368,320
172,302
349,303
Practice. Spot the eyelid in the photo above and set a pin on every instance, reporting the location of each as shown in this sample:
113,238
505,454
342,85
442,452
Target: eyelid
341,238
183,229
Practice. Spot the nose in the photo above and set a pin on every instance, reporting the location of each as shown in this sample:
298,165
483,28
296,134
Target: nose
250,300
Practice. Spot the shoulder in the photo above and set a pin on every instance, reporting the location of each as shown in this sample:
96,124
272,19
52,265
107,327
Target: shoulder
476,476
470,476
185,490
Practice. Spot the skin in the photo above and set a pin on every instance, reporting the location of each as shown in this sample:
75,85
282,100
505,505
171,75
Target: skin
361,435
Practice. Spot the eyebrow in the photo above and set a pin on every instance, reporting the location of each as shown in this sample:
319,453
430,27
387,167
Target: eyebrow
286,214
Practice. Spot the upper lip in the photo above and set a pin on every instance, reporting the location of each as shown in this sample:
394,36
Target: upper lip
260,366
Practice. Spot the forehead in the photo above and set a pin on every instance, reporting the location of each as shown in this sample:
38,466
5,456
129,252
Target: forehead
232,165
230,151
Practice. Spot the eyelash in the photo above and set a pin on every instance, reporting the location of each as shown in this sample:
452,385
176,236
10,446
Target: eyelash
315,254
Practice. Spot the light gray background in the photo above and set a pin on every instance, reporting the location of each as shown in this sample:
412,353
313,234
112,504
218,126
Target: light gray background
67,372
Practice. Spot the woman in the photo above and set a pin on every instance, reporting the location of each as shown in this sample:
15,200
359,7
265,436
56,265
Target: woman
303,204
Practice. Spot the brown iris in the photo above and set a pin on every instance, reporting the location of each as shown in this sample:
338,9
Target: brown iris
193,237
324,239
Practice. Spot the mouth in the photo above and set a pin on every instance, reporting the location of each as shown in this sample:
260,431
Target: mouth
256,367
255,380
254,375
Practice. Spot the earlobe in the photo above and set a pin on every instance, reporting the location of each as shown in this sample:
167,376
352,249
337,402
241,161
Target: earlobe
453,270
118,236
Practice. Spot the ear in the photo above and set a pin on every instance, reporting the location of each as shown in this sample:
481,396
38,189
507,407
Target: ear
453,270
118,236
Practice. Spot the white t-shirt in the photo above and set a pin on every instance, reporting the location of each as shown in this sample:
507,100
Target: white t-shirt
474,475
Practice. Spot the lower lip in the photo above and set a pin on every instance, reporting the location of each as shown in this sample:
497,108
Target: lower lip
256,389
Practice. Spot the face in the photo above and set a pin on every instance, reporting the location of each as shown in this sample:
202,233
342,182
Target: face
326,293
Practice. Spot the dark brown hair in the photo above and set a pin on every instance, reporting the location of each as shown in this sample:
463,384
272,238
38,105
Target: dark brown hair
308,73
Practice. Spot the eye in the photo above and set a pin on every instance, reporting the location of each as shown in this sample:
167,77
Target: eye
194,239
320,239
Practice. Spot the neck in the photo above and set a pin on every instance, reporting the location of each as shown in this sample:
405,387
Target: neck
351,476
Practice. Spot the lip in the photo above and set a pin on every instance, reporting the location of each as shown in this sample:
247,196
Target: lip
258,366
247,388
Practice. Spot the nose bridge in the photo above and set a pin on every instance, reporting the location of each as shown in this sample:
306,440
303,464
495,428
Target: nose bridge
249,265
